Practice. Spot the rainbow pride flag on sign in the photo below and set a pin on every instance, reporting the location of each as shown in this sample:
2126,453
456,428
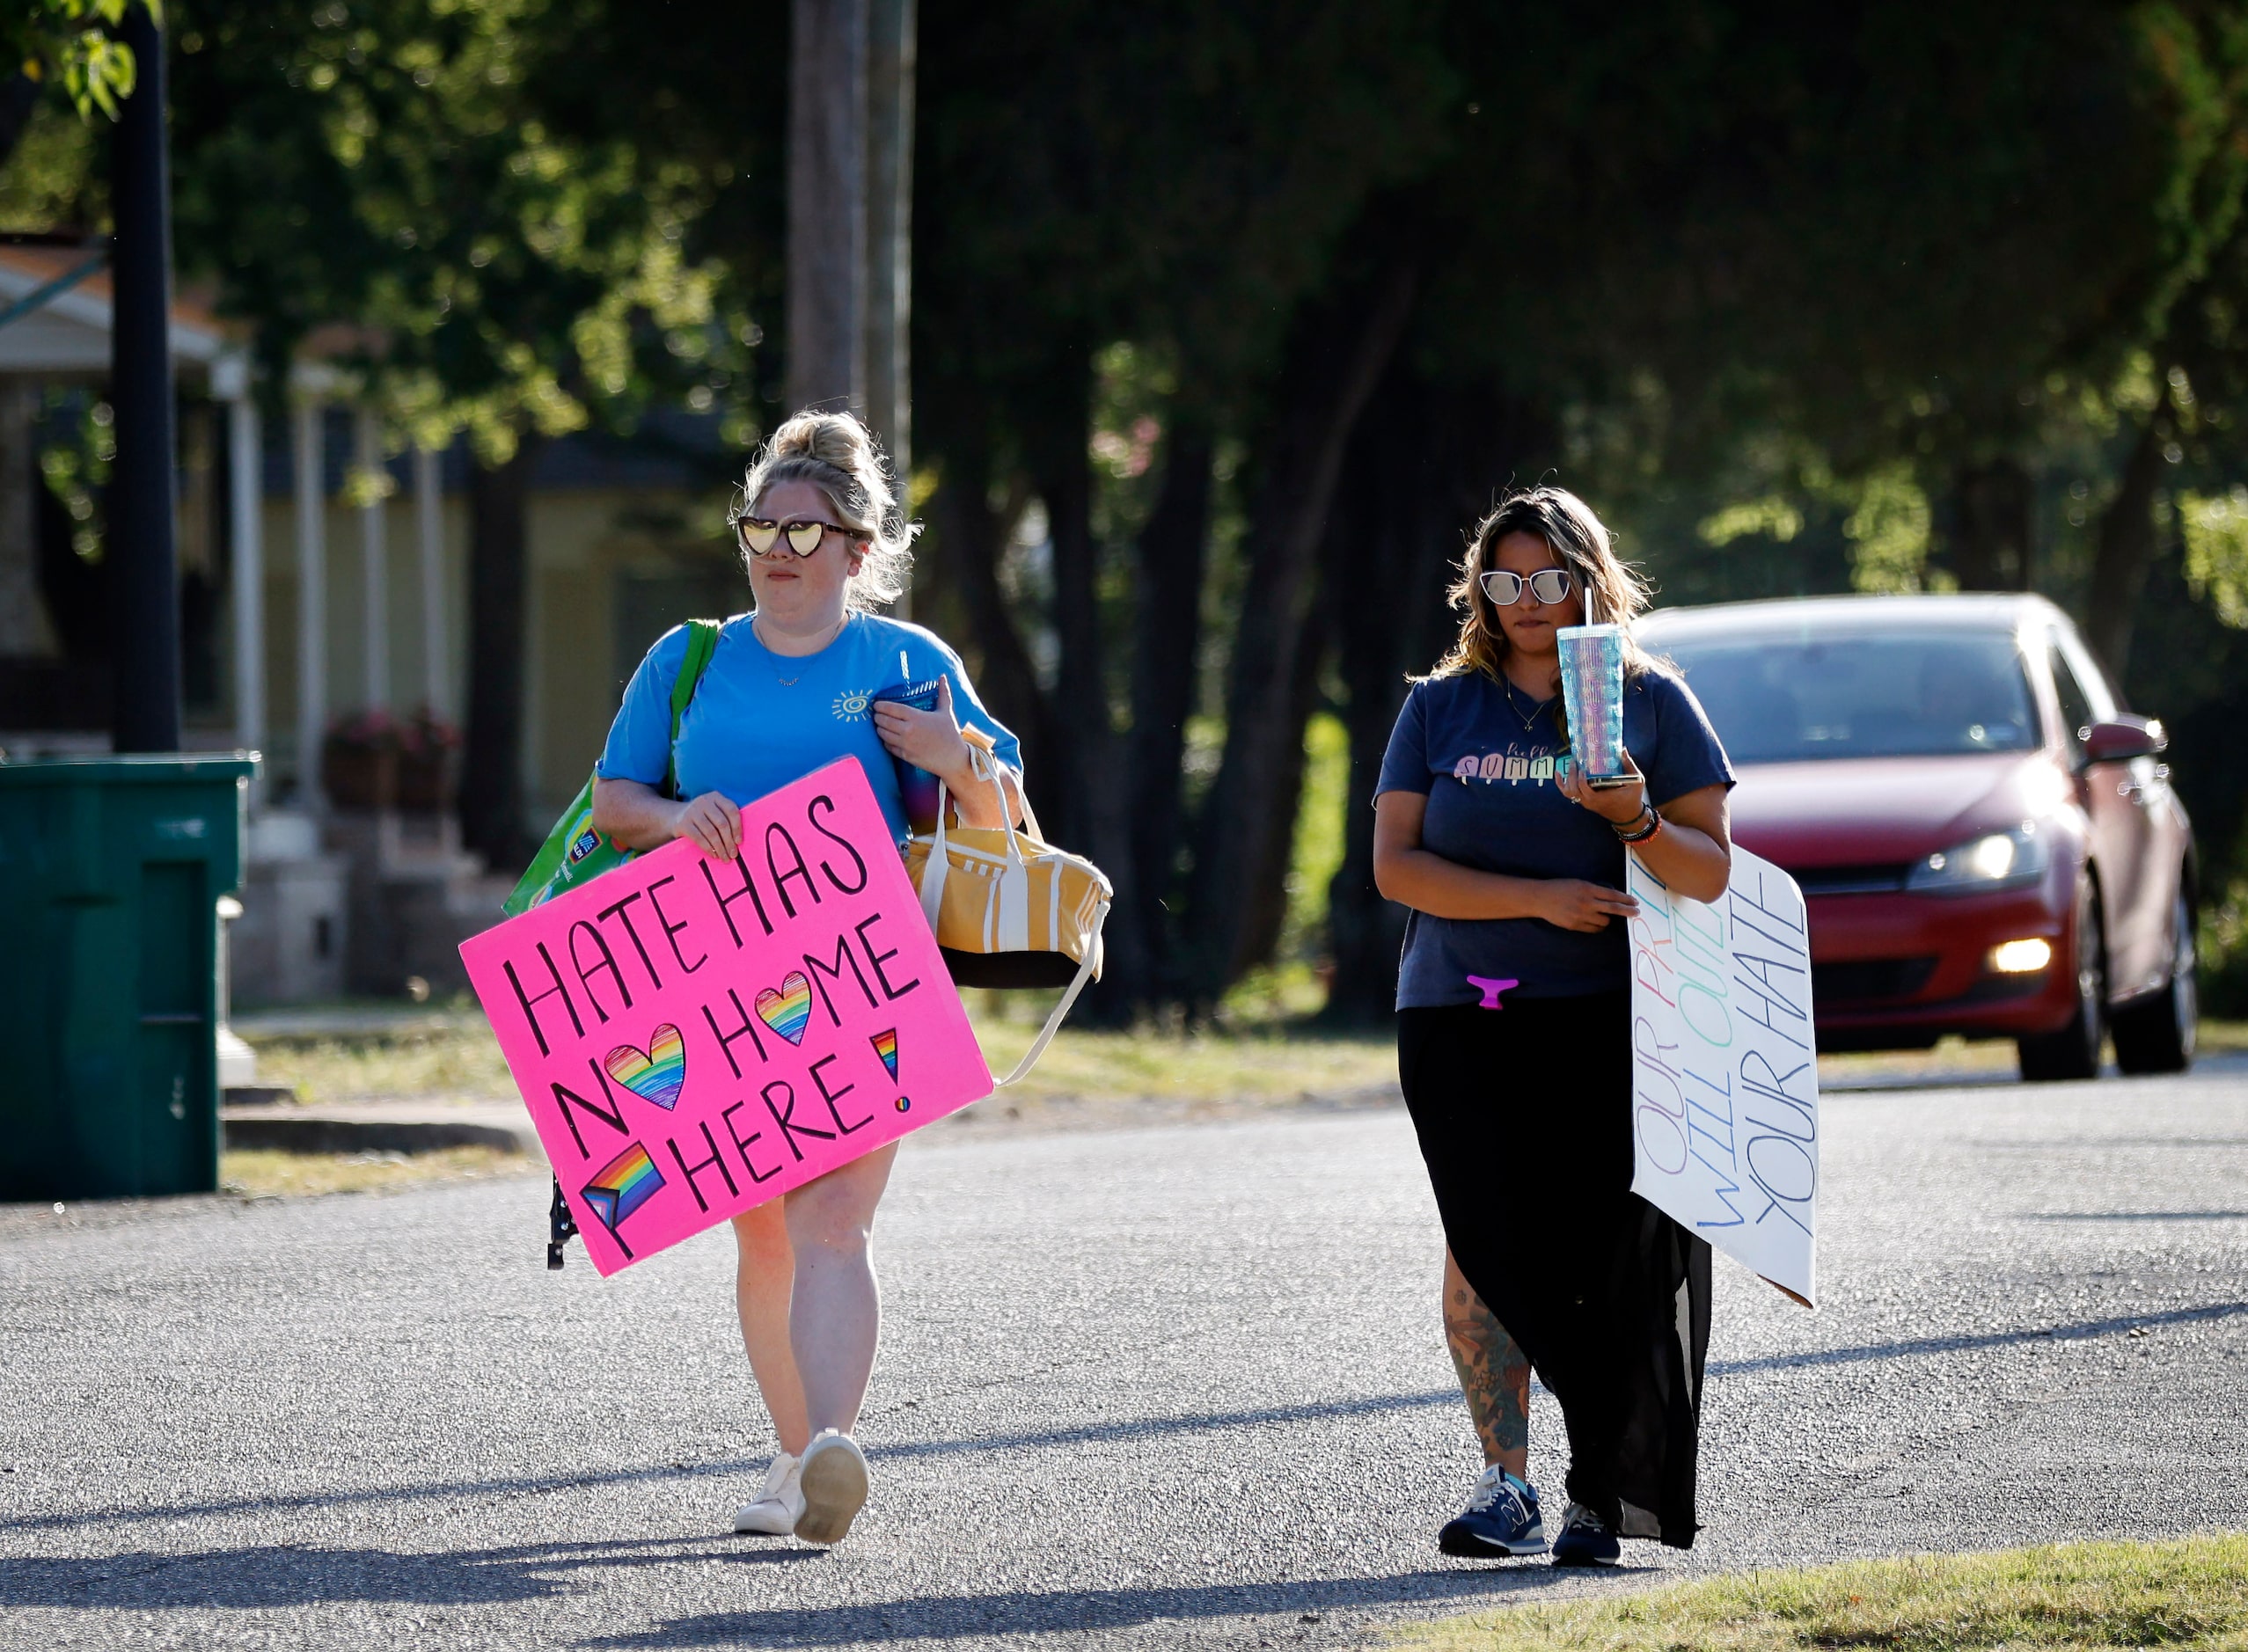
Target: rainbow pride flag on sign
626,1183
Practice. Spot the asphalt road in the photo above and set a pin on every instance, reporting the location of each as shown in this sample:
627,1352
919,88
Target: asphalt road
1166,1387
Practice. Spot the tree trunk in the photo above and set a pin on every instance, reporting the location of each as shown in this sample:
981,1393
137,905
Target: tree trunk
1451,451
890,227
492,803
1095,816
826,301
2127,544
142,555
25,631
1992,533
1264,903
1166,643
1333,364
19,97
972,539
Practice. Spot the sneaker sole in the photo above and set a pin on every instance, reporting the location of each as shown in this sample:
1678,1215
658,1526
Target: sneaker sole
1560,1559
834,1484
1467,1547
749,1522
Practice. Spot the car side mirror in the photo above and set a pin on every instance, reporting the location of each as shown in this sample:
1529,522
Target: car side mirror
2125,738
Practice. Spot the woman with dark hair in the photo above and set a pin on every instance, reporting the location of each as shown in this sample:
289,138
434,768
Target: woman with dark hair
1514,1037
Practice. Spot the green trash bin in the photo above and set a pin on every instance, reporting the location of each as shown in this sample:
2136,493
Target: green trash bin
110,871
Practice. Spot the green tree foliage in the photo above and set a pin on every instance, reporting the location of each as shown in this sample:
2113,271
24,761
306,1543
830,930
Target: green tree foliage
386,162
73,44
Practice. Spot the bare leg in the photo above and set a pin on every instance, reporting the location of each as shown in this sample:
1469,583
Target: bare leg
764,1277
835,1315
1493,1374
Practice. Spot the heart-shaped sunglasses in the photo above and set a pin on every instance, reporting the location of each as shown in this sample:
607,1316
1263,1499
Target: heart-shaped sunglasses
758,537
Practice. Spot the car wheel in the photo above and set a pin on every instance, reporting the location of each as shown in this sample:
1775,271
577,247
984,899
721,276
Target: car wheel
2073,1052
2158,1034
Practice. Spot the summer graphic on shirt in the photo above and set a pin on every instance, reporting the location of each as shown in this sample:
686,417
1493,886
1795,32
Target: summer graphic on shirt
1510,767
850,707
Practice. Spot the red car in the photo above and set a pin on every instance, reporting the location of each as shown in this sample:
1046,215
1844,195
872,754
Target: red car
1988,841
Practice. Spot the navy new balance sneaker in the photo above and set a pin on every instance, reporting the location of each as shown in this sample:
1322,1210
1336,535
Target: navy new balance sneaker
1585,1539
1501,1518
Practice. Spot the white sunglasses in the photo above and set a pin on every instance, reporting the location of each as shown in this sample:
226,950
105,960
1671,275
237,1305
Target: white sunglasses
1548,585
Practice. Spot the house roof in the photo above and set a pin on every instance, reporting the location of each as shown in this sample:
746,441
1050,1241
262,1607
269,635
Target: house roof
69,332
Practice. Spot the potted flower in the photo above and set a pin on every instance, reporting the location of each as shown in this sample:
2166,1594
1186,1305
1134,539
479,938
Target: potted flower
359,761
425,763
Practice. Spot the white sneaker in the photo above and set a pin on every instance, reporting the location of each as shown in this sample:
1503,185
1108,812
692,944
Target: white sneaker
778,1503
834,1487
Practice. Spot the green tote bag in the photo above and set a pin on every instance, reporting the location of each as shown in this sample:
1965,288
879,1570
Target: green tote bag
573,852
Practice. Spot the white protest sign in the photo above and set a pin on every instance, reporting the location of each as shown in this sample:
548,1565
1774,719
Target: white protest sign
1725,1068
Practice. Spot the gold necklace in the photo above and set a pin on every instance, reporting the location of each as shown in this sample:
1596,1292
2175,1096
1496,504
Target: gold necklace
1530,721
790,681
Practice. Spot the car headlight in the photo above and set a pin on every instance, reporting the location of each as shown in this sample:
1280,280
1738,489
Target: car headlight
1997,860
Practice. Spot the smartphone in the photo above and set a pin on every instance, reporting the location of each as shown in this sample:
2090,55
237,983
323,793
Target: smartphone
917,788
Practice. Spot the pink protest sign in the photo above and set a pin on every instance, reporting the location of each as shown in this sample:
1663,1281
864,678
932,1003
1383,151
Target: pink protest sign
694,1037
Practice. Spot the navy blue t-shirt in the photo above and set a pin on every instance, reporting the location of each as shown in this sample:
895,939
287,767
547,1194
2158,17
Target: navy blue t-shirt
1488,773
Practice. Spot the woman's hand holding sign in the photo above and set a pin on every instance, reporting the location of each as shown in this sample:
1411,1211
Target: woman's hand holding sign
713,821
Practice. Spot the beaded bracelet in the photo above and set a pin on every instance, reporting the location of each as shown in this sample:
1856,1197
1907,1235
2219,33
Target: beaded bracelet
1646,834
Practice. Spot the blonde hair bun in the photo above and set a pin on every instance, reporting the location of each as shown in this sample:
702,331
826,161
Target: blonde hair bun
839,454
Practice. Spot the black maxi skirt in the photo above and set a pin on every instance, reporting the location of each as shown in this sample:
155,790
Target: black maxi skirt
1524,1115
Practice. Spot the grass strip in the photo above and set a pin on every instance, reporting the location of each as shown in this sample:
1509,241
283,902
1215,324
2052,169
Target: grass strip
264,1173
462,1063
2184,1593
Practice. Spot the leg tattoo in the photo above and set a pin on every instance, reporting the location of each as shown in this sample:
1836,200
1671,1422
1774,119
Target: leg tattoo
1494,1376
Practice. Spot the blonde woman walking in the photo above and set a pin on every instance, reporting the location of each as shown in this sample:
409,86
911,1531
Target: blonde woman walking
792,685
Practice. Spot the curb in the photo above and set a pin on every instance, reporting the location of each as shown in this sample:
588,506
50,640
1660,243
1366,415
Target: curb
298,1132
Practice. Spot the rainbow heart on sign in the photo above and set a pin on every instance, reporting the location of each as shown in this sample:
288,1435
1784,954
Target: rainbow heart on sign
788,1009
655,1074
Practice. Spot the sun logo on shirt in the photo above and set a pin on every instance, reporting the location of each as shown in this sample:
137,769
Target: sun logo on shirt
851,704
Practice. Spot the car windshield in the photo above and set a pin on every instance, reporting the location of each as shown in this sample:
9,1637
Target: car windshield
1870,694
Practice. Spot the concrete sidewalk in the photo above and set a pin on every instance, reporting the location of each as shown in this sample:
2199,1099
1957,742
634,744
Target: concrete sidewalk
411,1125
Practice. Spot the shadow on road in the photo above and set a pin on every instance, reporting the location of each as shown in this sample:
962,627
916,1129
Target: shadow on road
286,1576
947,1617
1139,1427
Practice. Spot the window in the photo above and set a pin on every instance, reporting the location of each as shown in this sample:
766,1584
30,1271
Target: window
2082,693
1902,693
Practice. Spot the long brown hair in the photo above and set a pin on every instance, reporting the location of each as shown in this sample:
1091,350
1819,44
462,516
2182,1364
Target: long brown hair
1613,593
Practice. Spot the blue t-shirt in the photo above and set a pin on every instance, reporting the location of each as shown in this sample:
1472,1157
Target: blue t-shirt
760,719
1487,771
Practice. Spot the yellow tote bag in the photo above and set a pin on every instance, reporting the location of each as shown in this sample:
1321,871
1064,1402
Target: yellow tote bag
1008,909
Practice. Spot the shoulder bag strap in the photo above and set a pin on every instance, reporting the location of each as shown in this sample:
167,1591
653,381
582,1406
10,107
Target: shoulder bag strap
702,642
1085,969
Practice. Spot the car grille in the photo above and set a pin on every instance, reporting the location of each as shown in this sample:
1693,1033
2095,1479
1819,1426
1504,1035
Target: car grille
1869,979
1851,880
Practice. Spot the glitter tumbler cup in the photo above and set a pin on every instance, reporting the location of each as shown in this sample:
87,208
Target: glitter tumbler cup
1591,688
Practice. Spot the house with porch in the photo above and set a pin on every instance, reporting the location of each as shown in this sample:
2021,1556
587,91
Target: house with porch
324,587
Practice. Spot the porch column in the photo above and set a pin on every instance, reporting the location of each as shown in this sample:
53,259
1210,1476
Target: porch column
311,599
246,545
374,559
429,525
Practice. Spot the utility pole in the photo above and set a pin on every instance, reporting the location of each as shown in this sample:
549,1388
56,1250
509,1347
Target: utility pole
827,204
143,560
890,227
